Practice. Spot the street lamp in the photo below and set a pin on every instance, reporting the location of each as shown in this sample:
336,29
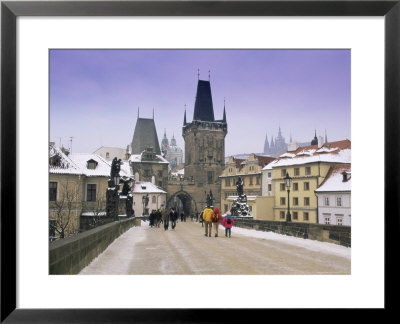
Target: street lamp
288,183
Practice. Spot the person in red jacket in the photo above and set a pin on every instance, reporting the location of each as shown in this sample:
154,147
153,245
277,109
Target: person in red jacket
215,220
227,222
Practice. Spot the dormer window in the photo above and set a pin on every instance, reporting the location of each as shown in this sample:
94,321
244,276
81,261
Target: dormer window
92,164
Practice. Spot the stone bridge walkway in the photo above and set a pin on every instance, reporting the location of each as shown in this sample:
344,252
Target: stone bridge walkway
185,250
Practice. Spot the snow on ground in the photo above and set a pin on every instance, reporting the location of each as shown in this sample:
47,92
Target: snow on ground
313,245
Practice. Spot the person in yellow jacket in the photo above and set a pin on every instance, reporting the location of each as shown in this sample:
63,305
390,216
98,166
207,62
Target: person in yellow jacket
207,217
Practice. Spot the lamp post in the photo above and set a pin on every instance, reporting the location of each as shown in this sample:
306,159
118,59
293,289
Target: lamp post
288,183
116,196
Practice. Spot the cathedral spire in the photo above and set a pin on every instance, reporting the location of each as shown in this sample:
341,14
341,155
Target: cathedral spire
315,139
266,144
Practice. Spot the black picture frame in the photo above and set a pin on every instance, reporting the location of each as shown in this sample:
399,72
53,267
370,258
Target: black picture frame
10,10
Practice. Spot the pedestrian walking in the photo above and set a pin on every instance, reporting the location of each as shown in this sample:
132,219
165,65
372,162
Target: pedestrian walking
182,217
201,220
207,217
152,218
165,218
158,217
227,222
173,216
216,220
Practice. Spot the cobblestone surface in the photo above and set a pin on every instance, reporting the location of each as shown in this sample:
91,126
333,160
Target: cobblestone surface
185,251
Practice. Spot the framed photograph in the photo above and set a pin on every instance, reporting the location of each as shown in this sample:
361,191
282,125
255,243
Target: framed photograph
36,35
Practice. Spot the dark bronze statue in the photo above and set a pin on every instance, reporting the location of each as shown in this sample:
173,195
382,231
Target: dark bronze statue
239,186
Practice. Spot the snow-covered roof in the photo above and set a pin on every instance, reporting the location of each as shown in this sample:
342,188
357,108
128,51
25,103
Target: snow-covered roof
138,158
333,152
65,165
146,187
334,181
102,168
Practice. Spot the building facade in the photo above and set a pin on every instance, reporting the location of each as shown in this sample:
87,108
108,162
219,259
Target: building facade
308,167
156,197
334,197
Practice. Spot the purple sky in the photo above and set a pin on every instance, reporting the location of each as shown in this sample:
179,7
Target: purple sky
95,94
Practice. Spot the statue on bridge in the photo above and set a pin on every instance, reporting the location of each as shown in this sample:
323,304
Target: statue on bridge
239,186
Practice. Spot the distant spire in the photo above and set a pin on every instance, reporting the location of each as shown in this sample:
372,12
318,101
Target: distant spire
198,74
184,117
266,144
137,112
279,132
224,116
209,75
315,139
326,137
291,138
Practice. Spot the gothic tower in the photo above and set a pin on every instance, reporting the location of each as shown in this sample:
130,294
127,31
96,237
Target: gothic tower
204,145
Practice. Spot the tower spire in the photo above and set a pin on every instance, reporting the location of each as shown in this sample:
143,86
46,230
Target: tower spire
326,137
138,112
224,115
198,74
184,117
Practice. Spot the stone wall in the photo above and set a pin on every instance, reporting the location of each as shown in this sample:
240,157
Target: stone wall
72,254
320,232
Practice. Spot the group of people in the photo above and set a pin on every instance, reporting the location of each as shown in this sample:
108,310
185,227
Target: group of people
212,218
165,216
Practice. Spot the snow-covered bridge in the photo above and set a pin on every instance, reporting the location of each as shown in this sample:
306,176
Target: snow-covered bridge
185,250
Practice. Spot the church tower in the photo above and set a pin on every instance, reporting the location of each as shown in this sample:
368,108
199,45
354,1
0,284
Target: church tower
204,144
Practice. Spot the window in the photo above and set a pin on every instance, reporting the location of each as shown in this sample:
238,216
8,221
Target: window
306,201
160,174
327,220
295,186
269,174
53,191
326,201
283,201
339,201
146,173
283,172
153,199
339,219
295,215
210,177
160,183
251,181
91,165
282,186
269,187
306,186
305,216
91,192
308,170
296,171
282,215
227,182
295,201
258,180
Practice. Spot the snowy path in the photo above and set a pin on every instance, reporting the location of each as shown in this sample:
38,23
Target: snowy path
185,250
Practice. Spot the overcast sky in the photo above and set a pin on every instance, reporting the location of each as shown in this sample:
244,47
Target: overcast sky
95,94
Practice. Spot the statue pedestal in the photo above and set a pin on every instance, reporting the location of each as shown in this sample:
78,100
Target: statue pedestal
240,208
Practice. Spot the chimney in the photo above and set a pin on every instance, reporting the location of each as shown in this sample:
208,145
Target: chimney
293,146
153,180
137,177
345,177
320,141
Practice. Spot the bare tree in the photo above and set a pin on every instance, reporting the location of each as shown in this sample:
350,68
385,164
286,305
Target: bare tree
62,210
96,212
